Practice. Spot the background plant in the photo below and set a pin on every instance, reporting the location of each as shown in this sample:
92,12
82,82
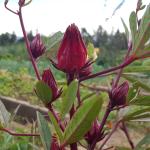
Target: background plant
85,124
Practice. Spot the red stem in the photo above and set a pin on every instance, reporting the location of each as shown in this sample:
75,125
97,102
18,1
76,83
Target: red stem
10,9
56,117
125,130
18,134
111,133
28,45
129,61
121,70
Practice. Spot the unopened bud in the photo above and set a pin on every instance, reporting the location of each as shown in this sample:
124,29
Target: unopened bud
118,95
49,79
37,47
94,131
21,3
72,54
6,2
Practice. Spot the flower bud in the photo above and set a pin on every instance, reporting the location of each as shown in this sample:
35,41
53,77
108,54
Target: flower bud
118,95
21,3
94,131
37,47
72,53
48,78
6,2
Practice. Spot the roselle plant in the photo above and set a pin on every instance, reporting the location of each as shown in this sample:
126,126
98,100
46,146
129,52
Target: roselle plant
77,123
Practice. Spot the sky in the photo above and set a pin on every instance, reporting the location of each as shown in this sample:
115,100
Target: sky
50,16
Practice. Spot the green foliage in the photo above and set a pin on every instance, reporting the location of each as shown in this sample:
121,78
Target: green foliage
56,126
69,98
133,92
144,144
53,44
138,83
44,92
139,114
140,37
133,26
141,101
126,29
82,119
44,130
121,148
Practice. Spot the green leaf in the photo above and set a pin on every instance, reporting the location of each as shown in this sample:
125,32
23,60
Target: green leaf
138,83
144,143
44,130
82,119
141,101
4,115
126,29
43,91
133,26
122,148
53,45
137,69
142,7
92,52
143,33
143,113
69,98
133,92
57,128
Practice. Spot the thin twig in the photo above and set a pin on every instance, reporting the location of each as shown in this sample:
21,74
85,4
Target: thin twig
99,88
28,45
129,61
110,134
16,13
17,134
125,130
109,148
121,70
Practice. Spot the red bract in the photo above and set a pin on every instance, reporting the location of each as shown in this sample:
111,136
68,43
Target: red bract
48,78
118,95
54,144
72,53
37,47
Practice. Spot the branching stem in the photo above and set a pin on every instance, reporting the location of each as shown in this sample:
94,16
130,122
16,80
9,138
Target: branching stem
28,44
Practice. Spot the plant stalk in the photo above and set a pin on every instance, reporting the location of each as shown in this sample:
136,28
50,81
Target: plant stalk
126,63
110,134
18,134
28,44
125,130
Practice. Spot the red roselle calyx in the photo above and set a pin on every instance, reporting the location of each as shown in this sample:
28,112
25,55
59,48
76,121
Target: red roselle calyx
49,79
118,95
72,53
37,47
